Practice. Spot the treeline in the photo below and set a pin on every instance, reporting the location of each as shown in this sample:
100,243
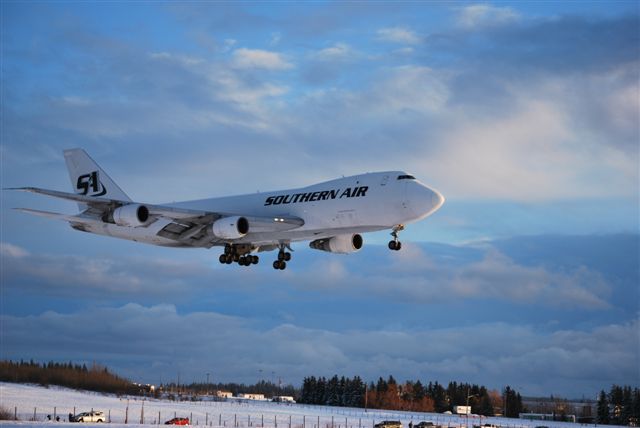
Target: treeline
94,378
621,406
269,389
411,396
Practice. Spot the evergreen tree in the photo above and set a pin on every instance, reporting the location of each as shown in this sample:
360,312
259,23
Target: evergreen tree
603,409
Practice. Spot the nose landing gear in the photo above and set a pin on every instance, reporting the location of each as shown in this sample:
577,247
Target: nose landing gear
395,244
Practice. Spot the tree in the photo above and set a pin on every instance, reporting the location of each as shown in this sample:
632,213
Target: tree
603,409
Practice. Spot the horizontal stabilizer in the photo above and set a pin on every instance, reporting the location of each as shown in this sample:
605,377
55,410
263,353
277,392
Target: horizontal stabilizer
58,216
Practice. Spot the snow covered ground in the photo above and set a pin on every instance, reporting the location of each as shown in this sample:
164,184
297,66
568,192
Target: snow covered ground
33,403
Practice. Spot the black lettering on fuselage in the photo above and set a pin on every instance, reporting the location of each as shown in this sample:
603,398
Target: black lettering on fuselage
347,193
323,195
361,191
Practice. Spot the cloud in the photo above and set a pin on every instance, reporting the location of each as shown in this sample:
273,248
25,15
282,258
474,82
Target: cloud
484,15
260,59
398,35
337,52
12,251
415,277
132,337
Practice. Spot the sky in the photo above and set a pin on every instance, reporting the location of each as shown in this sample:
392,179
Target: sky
524,115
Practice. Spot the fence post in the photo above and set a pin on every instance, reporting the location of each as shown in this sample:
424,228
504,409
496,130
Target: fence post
220,420
109,416
275,420
235,419
158,417
289,421
206,419
332,421
34,414
55,413
304,420
262,423
15,413
191,418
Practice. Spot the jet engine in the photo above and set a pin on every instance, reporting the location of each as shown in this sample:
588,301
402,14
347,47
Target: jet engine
339,244
132,215
230,227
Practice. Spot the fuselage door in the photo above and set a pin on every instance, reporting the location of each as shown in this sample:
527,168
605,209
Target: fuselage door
384,181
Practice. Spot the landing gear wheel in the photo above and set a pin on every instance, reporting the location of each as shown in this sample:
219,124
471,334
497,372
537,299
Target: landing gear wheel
398,245
283,265
229,260
281,256
276,264
222,258
254,259
392,245
287,256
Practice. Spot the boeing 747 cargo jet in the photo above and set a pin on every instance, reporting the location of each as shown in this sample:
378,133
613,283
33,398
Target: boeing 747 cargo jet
332,215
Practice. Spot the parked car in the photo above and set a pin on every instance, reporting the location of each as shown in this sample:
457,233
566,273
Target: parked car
92,416
177,421
425,424
389,424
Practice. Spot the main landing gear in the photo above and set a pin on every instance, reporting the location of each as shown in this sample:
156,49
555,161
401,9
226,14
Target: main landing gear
395,244
283,258
231,255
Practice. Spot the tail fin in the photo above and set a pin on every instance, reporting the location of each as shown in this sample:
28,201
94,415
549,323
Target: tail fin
87,178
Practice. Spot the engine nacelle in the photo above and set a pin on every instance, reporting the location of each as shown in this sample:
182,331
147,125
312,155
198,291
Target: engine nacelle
132,215
339,244
230,227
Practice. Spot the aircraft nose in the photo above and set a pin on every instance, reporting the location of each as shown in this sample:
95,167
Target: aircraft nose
424,200
436,199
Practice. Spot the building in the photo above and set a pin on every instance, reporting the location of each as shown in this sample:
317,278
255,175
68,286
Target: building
283,399
249,396
224,394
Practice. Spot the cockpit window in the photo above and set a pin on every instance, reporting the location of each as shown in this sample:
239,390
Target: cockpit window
406,177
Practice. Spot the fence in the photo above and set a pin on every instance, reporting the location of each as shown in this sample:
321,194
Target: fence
347,418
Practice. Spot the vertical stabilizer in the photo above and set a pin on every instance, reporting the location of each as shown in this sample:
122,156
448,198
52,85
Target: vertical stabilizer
87,178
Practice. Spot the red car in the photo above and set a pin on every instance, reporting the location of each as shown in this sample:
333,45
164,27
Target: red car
178,421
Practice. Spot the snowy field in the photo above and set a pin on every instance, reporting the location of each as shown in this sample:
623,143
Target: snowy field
33,403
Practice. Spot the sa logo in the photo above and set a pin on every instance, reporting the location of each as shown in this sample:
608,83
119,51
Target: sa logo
90,183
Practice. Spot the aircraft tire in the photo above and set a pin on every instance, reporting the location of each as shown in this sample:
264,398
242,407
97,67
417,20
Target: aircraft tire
222,258
392,245
255,260
283,265
287,256
276,264
398,245
229,260
281,256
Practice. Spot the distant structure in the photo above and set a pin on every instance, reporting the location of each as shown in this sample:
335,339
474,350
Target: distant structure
250,396
548,417
224,394
283,399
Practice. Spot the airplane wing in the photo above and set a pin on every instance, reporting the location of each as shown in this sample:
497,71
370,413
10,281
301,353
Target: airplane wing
186,226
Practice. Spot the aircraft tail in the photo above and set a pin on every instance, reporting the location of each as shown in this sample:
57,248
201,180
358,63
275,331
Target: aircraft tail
87,178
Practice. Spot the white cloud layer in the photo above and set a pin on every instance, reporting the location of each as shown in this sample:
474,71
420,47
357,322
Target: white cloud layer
133,336
485,15
260,59
398,35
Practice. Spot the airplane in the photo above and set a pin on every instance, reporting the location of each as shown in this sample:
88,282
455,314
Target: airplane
332,215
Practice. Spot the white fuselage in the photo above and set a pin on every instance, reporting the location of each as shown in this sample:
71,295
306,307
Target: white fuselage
356,204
